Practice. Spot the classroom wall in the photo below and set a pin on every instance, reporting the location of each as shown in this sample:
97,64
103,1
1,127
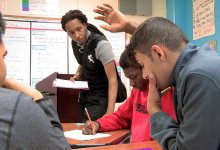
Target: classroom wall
12,7
180,12
158,9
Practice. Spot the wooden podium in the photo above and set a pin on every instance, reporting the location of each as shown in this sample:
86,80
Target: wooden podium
65,99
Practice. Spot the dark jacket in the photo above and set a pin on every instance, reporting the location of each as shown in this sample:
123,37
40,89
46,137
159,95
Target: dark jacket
196,78
93,69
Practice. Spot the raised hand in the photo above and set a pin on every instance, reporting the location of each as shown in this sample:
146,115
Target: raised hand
117,22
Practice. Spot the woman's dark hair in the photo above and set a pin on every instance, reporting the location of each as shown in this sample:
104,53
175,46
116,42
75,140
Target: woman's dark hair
2,26
77,14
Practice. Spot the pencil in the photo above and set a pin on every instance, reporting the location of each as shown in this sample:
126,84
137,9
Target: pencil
165,90
87,113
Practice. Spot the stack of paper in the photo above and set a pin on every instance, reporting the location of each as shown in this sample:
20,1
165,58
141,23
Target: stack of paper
69,84
77,135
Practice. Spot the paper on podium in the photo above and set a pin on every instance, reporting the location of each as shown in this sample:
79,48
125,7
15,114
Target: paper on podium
77,135
69,84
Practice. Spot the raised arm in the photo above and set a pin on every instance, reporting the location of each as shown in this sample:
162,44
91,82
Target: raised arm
117,22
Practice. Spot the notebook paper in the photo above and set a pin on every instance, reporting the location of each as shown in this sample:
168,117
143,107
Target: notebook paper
77,135
69,84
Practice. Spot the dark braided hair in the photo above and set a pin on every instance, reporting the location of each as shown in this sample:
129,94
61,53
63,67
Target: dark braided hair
2,27
77,14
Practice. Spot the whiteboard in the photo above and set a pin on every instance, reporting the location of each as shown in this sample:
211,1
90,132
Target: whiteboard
117,41
73,64
48,50
17,42
38,49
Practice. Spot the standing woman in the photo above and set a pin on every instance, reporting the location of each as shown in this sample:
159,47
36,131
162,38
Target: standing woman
96,65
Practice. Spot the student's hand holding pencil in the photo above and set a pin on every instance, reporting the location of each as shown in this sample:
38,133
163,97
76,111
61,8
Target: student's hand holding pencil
90,128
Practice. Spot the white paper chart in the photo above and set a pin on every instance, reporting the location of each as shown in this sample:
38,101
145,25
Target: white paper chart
37,49
17,42
48,50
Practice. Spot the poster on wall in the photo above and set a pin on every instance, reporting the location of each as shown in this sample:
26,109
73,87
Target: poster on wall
17,43
48,50
117,41
36,7
203,18
73,64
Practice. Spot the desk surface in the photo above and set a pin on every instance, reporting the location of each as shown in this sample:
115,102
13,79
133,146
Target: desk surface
132,146
115,138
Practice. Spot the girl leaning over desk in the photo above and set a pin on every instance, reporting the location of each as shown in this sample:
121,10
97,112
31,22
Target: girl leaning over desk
96,65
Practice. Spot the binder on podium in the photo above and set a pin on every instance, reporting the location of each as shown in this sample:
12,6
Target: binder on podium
64,99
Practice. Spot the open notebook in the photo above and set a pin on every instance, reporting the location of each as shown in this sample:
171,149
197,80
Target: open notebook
77,135
69,84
